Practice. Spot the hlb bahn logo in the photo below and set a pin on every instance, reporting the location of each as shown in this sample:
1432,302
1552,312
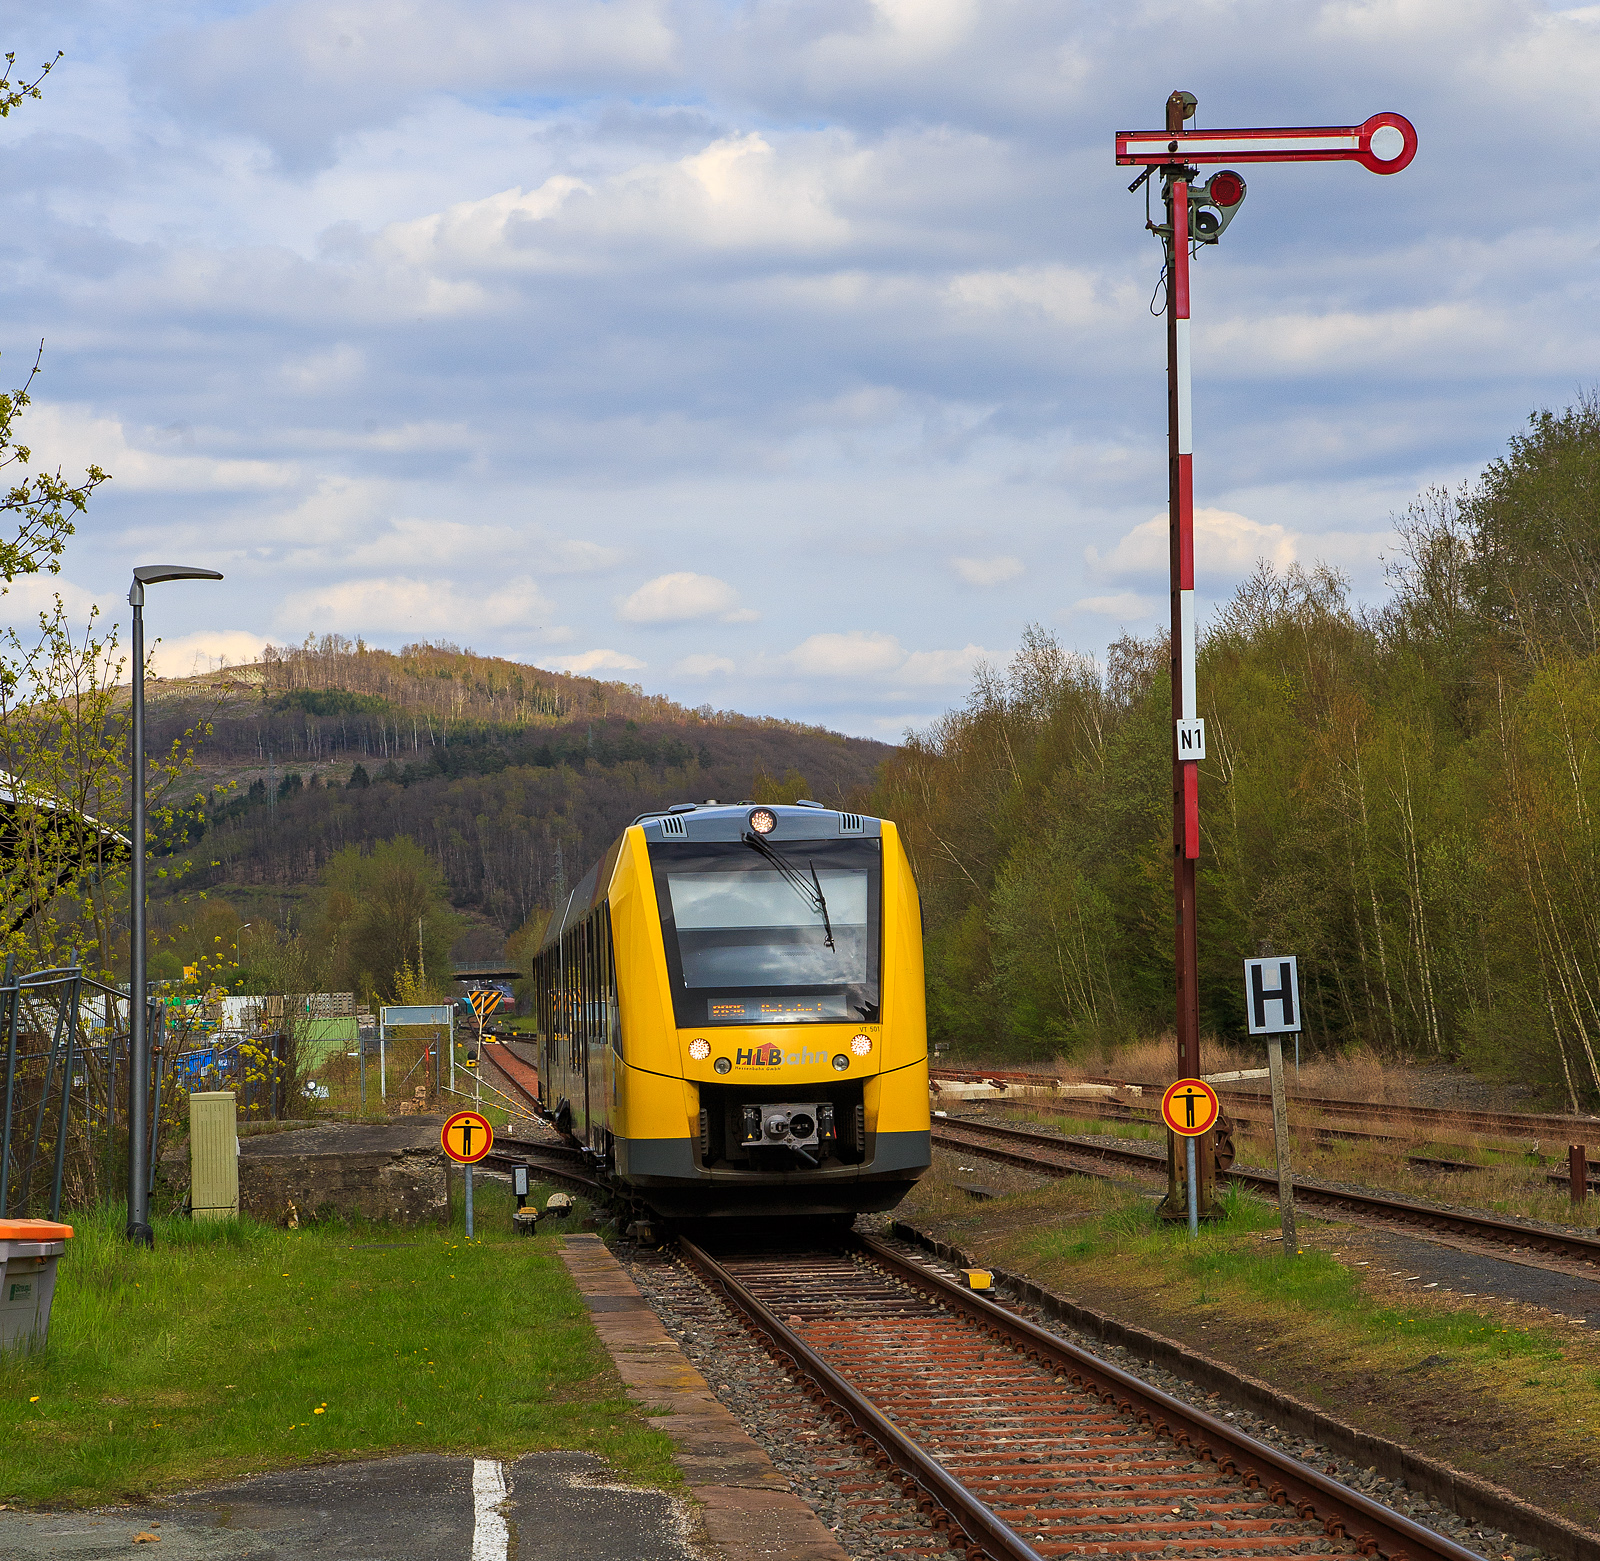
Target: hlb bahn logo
770,1056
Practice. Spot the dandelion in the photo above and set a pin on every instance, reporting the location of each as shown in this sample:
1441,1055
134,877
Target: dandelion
318,1411
34,1399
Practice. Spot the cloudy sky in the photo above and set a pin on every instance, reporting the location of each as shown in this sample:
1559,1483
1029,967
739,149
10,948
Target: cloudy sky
786,355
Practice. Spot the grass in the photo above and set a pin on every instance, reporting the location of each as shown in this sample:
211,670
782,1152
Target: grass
236,1347
1317,1298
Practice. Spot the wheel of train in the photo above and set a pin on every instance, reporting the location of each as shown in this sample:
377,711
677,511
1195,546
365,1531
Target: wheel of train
731,1014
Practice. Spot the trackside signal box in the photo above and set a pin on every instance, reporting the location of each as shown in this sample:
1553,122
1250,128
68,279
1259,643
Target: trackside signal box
214,1155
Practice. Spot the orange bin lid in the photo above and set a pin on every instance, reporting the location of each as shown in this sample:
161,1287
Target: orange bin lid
33,1230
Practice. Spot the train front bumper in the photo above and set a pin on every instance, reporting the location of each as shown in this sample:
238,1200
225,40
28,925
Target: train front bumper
667,1174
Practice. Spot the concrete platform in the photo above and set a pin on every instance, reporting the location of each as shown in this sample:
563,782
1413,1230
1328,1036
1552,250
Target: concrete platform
748,1509
422,1508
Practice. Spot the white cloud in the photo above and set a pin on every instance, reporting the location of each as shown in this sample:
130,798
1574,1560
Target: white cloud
593,661
27,596
876,657
205,651
399,606
1227,546
704,666
300,74
419,318
1224,543
681,598
939,668
1124,605
74,437
850,655
994,570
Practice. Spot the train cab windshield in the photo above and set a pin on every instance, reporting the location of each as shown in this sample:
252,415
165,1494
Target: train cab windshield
755,940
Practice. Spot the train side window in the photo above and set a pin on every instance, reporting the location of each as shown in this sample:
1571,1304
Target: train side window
613,1006
572,996
591,987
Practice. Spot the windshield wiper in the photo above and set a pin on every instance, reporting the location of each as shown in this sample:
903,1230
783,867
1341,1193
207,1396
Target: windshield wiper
811,892
822,903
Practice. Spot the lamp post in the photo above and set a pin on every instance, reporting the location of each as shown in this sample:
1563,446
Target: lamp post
139,1230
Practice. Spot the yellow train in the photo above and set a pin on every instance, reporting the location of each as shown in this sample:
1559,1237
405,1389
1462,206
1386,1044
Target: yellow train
731,1013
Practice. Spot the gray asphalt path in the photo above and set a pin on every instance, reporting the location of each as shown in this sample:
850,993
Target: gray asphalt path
1472,1273
419,1508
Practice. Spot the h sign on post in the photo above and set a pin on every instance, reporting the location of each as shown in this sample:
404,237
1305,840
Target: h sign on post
1272,996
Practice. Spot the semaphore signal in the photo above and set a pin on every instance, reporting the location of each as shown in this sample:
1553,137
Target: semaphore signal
1198,213
1385,143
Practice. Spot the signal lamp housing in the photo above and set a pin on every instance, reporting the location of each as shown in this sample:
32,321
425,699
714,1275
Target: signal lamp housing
1213,205
861,1044
840,1062
763,820
722,1065
699,1048
1225,188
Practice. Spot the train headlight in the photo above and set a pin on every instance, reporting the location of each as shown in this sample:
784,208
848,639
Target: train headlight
722,1065
840,1063
763,821
861,1044
699,1048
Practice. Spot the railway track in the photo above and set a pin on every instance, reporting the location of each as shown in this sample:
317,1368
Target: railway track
1050,1155
559,1160
1521,1125
1102,1110
1016,1444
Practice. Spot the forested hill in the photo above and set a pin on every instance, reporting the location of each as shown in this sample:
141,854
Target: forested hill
511,777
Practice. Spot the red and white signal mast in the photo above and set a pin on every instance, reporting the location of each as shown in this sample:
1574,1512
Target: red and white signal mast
1198,214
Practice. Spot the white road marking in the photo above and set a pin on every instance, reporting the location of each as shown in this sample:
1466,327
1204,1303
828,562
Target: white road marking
489,1535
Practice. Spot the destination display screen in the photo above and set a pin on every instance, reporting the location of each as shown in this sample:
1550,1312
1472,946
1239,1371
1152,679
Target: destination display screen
776,1010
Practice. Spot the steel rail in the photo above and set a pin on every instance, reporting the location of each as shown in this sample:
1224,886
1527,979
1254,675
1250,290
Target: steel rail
1343,1512
970,1519
535,1146
510,1152
1394,1210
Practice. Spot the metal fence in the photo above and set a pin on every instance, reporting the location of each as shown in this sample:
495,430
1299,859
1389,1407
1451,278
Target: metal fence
64,1118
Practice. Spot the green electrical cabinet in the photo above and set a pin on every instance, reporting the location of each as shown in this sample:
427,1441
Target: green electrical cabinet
214,1156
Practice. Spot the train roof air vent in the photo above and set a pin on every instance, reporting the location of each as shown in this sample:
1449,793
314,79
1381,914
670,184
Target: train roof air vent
672,824
850,824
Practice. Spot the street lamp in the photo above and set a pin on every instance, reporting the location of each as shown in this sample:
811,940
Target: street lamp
139,1230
